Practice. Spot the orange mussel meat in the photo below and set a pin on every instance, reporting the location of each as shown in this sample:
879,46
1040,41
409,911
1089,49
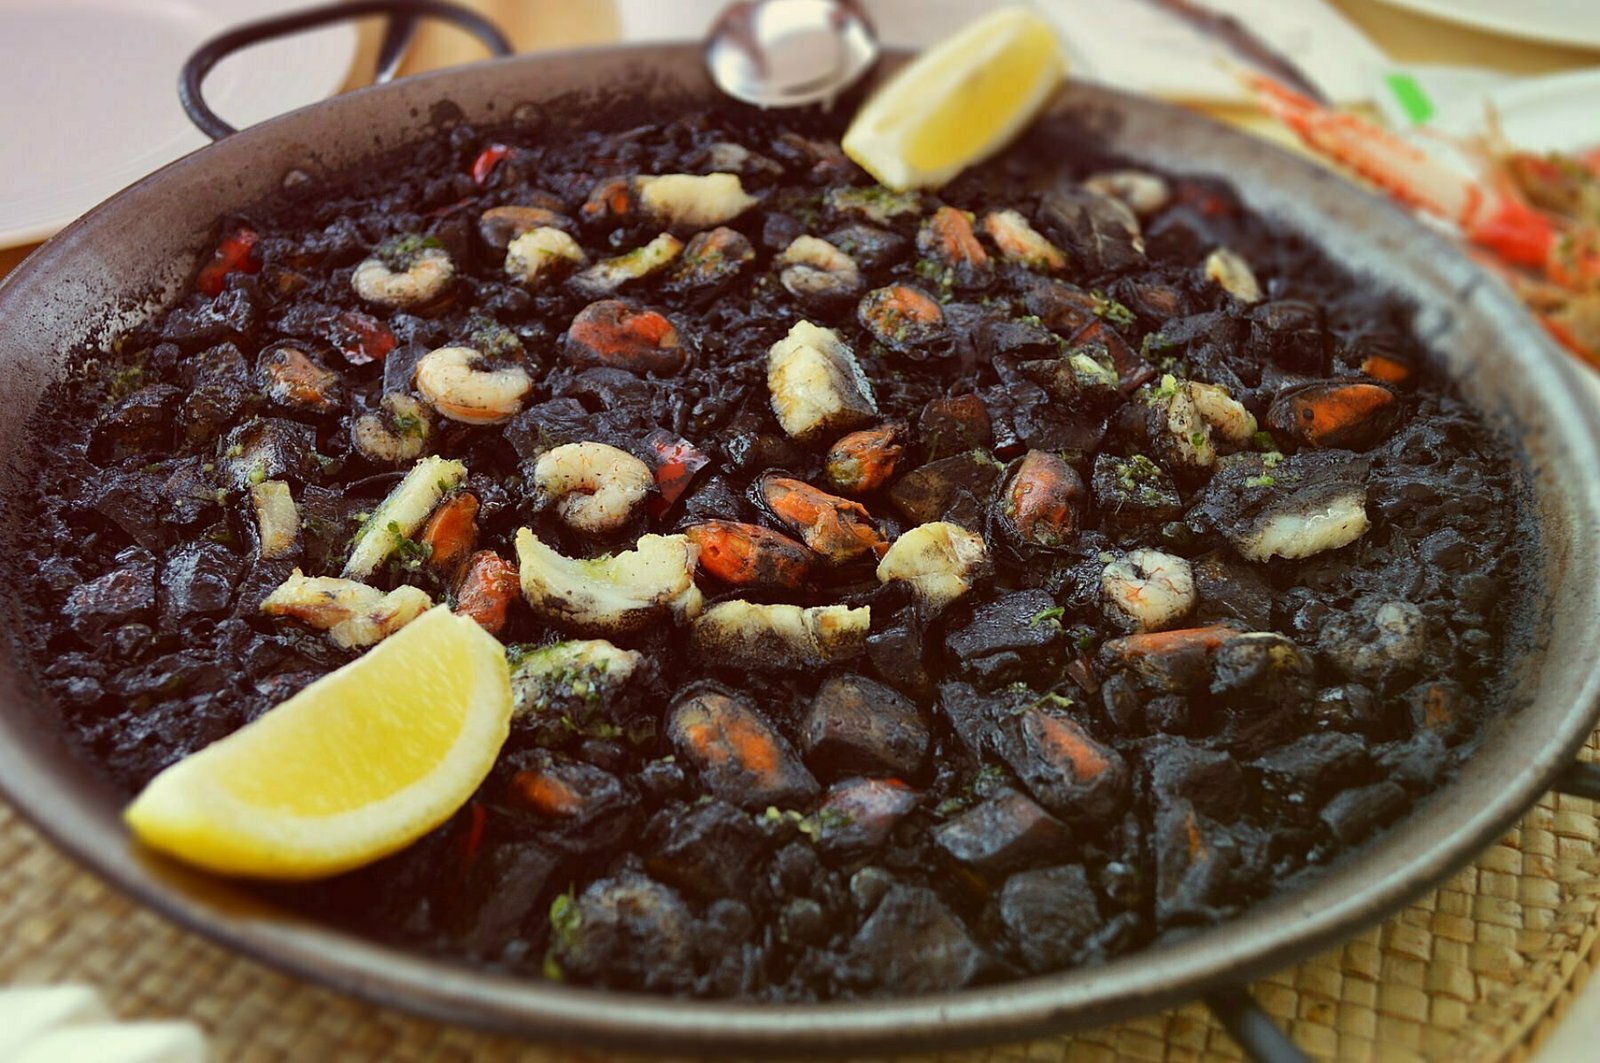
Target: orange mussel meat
750,555
837,528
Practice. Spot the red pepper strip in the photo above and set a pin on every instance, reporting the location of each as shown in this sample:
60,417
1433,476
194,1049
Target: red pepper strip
234,254
486,161
473,839
677,462
362,338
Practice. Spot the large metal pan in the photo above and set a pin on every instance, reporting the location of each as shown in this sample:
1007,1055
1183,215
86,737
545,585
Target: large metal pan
131,253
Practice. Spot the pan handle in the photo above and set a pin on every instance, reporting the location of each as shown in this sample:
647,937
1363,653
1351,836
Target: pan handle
403,16
1580,779
1252,1027
1255,1030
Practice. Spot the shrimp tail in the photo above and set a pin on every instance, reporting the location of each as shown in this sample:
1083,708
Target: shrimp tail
1401,169
1493,216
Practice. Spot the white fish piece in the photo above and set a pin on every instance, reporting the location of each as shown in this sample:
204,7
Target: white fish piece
817,387
277,518
1336,522
939,559
584,668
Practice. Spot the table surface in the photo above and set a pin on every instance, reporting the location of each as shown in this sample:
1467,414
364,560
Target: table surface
548,24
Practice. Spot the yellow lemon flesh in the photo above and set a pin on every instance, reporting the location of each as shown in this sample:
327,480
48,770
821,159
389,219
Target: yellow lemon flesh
957,103
356,766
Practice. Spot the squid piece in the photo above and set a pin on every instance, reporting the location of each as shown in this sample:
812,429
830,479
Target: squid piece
352,613
622,592
402,513
591,670
740,634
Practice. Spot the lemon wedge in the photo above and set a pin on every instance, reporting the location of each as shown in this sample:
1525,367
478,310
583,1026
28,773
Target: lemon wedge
957,103
357,765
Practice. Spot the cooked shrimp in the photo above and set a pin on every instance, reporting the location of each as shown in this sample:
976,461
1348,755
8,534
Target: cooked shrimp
1020,242
947,239
397,431
540,254
406,272
354,614
596,489
1148,590
449,378
692,201
813,268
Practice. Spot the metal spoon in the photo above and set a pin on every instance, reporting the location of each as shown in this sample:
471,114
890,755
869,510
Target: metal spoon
788,53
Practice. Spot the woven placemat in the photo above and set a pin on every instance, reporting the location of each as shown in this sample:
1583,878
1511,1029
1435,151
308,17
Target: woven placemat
1479,969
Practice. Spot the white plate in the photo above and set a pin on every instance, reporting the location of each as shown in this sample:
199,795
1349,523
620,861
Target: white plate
89,100
1556,113
1574,23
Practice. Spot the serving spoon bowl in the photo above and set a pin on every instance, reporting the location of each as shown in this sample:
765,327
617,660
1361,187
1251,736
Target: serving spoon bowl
789,53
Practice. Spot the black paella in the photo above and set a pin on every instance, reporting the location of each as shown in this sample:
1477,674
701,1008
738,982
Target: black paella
1069,564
